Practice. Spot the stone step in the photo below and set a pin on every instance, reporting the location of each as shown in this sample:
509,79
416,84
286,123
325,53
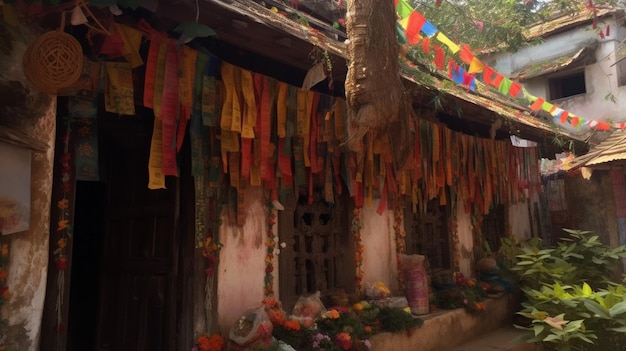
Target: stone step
502,339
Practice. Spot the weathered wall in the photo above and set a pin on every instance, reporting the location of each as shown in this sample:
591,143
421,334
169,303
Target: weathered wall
601,76
520,223
379,247
466,241
242,263
35,113
242,260
591,205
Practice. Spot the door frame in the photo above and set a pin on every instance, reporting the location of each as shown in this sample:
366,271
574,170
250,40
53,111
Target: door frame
55,337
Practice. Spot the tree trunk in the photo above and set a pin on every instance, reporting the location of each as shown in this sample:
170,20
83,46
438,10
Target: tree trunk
374,91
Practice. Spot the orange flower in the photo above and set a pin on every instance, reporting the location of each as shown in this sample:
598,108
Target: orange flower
62,243
203,343
207,242
5,250
270,301
3,274
479,306
216,343
63,204
471,283
62,224
291,324
332,314
6,294
367,329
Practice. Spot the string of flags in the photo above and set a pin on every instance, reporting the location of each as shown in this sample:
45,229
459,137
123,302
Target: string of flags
419,31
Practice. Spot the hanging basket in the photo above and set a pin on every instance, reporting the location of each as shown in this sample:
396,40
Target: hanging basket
54,61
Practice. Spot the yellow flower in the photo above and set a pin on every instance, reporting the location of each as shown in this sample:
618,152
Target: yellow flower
357,307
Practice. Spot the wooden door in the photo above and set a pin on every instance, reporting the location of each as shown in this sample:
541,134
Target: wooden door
137,303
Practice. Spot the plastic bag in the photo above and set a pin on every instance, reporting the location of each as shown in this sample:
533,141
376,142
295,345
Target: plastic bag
253,327
377,291
308,309
274,311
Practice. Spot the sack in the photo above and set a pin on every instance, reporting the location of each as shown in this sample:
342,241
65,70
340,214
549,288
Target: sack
308,309
254,326
416,283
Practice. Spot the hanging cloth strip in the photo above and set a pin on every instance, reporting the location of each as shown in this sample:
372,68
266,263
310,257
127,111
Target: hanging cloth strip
185,92
211,103
156,178
155,38
231,110
169,110
195,130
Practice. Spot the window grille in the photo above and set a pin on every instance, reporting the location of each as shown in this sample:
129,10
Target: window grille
319,249
427,234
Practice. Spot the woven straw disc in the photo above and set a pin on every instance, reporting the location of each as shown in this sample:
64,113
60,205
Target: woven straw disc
53,62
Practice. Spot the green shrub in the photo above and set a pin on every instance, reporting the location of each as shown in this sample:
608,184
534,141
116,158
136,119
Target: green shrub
571,302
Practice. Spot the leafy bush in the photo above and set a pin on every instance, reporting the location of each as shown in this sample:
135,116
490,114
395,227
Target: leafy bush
564,310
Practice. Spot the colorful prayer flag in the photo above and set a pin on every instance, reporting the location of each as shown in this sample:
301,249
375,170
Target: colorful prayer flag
449,43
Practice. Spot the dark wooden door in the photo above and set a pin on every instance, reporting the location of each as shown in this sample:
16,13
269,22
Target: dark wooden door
137,303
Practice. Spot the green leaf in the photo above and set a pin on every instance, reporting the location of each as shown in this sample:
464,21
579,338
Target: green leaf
551,338
102,2
133,4
587,290
599,261
573,325
538,328
525,263
558,291
190,30
618,309
575,255
586,339
595,308
619,329
545,251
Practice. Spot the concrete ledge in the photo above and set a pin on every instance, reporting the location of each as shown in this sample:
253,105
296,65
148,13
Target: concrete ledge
502,339
444,330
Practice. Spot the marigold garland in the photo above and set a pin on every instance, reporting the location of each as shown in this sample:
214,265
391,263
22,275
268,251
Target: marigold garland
358,243
453,227
270,243
400,236
215,342
64,227
211,251
4,288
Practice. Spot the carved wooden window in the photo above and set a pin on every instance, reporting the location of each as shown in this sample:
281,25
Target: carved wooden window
427,234
494,227
319,249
